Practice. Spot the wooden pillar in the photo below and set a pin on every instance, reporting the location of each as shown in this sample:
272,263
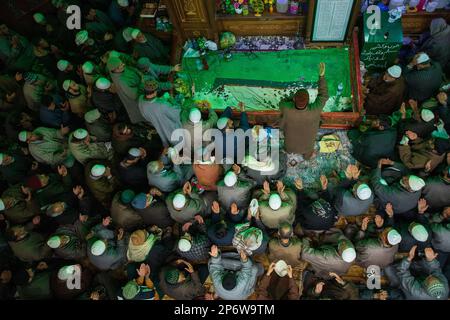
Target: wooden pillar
309,21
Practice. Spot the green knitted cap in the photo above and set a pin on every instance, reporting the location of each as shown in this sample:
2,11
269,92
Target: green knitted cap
435,287
172,276
130,290
127,196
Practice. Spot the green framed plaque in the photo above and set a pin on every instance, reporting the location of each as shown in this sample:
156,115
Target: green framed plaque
380,47
331,20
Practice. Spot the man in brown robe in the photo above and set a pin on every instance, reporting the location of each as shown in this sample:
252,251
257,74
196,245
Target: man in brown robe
385,94
300,120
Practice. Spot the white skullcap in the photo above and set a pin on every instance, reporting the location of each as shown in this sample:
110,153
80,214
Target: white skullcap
230,179
427,115
98,248
254,205
275,201
222,123
416,183
184,245
102,83
195,115
394,237
281,268
126,33
135,33
349,255
88,67
211,45
179,201
62,65
54,242
23,136
98,170
2,205
123,3
134,152
395,71
39,17
419,232
66,272
422,58
92,115
81,37
80,134
66,85
363,192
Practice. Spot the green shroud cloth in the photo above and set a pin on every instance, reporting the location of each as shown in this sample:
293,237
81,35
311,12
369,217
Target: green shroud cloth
262,79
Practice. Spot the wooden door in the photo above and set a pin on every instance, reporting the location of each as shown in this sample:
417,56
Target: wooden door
192,18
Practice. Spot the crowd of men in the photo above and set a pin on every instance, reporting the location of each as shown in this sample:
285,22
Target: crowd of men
97,203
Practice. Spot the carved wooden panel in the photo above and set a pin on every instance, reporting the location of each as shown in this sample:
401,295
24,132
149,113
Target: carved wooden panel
414,24
197,32
259,28
190,11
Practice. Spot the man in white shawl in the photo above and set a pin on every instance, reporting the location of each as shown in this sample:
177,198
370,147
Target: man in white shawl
140,244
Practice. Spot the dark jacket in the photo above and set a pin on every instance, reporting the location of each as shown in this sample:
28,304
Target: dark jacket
53,118
124,216
114,257
422,128
333,291
39,287
440,237
408,241
240,193
57,188
17,171
346,203
371,251
75,249
384,97
106,101
274,287
187,290
33,248
315,215
423,84
444,115
156,214
437,193
22,211
401,199
372,145
134,176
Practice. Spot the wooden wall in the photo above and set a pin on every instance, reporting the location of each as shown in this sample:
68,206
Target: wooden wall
416,23
18,14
